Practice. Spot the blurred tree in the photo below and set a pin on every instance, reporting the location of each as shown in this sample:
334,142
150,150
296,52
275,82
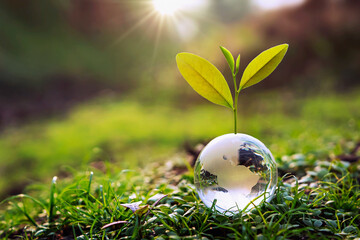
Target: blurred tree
228,11
56,53
324,52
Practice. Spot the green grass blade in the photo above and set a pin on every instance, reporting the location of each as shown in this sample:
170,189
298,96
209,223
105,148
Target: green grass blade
23,210
89,186
52,199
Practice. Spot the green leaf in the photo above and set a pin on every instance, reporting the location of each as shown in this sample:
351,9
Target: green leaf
317,223
263,65
289,198
229,58
237,64
349,229
204,78
307,222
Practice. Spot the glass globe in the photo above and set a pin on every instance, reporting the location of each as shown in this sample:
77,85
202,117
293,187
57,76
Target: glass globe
235,169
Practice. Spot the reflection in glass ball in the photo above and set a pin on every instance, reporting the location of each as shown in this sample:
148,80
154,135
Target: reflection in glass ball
235,169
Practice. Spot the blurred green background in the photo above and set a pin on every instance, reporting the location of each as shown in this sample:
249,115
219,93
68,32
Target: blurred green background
92,84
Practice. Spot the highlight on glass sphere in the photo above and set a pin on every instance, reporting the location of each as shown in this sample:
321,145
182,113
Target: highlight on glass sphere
235,169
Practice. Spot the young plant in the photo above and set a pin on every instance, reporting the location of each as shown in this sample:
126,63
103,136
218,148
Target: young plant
208,81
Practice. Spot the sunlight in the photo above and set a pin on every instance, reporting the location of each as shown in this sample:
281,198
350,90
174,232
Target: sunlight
179,14
171,7
274,4
167,7
177,19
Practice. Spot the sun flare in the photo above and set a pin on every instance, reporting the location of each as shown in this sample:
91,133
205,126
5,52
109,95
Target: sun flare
167,7
172,7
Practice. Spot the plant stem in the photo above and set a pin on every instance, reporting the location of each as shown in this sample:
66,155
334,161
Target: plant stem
235,110
235,120
236,95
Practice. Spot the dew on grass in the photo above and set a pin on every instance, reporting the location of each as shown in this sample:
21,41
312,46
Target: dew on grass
235,169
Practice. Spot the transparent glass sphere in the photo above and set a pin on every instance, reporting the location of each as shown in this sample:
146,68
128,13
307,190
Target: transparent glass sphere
235,169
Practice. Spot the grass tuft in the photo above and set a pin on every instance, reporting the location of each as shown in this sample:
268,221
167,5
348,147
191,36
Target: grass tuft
157,203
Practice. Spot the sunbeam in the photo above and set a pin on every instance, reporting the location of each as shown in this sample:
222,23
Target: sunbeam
158,20
178,14
157,38
171,7
134,27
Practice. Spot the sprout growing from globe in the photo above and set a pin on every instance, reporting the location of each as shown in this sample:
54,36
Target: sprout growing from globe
235,171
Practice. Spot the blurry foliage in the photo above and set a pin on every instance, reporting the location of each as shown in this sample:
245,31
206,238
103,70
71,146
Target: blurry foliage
324,40
75,38
231,10
40,43
56,53
94,39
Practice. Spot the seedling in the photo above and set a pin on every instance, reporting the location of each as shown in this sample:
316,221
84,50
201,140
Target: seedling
234,171
208,81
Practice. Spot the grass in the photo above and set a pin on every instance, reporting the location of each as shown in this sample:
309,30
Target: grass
132,133
305,136
157,202
122,132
